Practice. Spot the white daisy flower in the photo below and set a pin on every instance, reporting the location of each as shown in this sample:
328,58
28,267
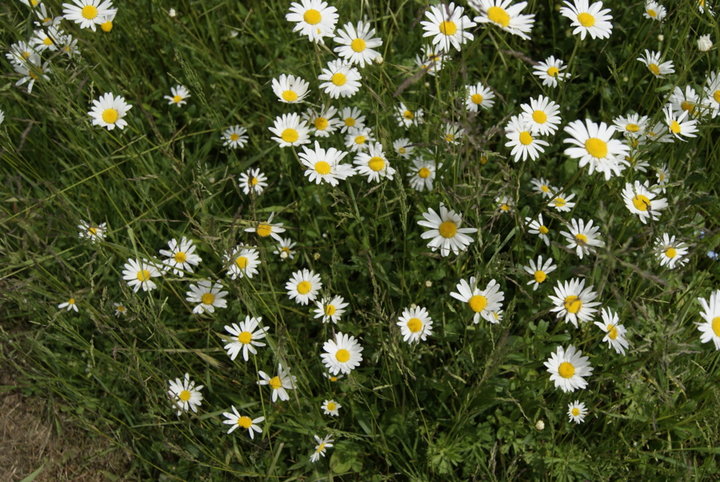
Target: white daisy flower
568,369
290,89
679,126
550,71
447,26
21,52
654,11
242,262
574,302
31,71
207,295
403,147
543,186
373,164
479,96
342,354
595,147
69,305
235,420
710,328
432,59
303,286
323,165
711,93
483,303
280,383
358,140
352,118
252,181
185,394
631,125
422,174
504,15
588,19
407,117
109,111
93,232
670,253
452,133
290,130
88,13
330,309
537,227
582,237
234,137
577,411
322,445
313,18
539,270
47,39
323,122
504,203
180,257
652,62
444,231
139,274
615,332
178,95
561,202
685,101
245,337
340,78
641,200
542,114
267,228
331,407
284,248
357,43
415,324
519,132
120,309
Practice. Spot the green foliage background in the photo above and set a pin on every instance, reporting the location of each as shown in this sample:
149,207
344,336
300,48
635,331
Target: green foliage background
461,406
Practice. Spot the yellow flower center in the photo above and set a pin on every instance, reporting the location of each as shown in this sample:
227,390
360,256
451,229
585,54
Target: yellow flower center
254,181
476,98
408,114
424,172
716,325
330,310
342,355
448,27
93,231
716,95
586,20
504,207
331,406
559,202
687,106
612,331
245,337
106,26
241,262
632,127
539,116
184,395
675,127
322,167
449,137
414,325
477,303
581,238
320,447
207,299
525,138
358,45
360,140
402,150
234,137
572,304
245,422
641,203
110,116
290,135
263,230
349,121
304,287
553,71
143,275
338,79
596,147
71,301
275,383
312,17
575,411
540,276
499,16
289,96
651,12
566,370
89,12
671,252
447,229
654,69
376,163
180,257
177,99
543,230
321,123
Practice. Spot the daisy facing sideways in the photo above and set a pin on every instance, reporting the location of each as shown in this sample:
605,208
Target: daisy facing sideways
267,228
93,232
245,337
445,231
484,303
614,331
640,199
322,445
574,302
568,369
652,62
710,328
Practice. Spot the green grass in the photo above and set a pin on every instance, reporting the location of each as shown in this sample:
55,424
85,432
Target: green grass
464,404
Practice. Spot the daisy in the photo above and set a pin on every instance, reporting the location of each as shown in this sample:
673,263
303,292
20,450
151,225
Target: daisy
357,43
357,140
573,302
31,71
583,237
323,165
403,147
452,133
615,332
284,248
313,18
280,383
482,302
351,118
88,13
331,407
242,262
568,369
290,89
139,274
290,130
253,181
659,132
711,91
178,95
542,114
373,164
20,53
670,252
46,20
109,111
68,305
330,309
234,137
704,43
303,286
588,19
245,337
678,126
415,324
267,228
180,257
236,420
654,11
444,231
537,226
478,95
422,174
447,26
185,394
341,354
407,117
93,232
641,200
663,177
207,295
543,186
340,78
562,203
685,101
321,447
106,22
550,71
120,309
519,131
710,329
431,59
323,122
504,203
504,15
593,145
47,39
539,270
577,411
332,378
632,125
652,62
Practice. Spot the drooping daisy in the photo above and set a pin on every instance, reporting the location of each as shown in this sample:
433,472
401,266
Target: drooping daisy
562,202
652,62
422,174
234,137
109,111
323,165
331,407
330,309
452,133
447,26
504,15
106,22
235,420
431,59
641,200
537,227
631,125
550,71
93,232
267,228
352,118
444,231
342,354
253,181
582,237
290,130
323,122
340,78
654,11
542,113
358,140
568,369
139,274
483,303
678,124
245,337
178,95
615,332
710,329
415,324
519,132
242,262
595,147
290,89
588,19
357,43
403,147
577,411
478,95
180,257
539,270
303,286
686,100
373,164
670,252
543,186
120,309
185,394
88,13
574,302
69,305
313,18
284,248
280,383
322,445
711,93
407,117
207,295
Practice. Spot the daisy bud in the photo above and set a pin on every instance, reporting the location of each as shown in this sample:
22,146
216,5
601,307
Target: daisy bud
379,60
172,13
704,43
661,37
539,425
428,284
